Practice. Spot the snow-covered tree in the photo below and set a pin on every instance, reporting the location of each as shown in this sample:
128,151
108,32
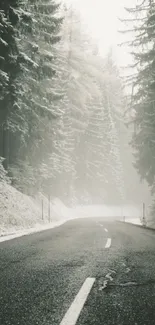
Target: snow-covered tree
86,154
143,99
9,69
103,168
31,123
76,80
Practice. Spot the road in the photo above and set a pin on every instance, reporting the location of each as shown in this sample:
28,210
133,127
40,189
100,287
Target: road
85,272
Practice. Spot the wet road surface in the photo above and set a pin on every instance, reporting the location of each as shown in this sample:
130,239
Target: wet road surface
85,272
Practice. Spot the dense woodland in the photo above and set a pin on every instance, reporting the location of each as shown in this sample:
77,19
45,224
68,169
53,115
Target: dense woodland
140,28
63,128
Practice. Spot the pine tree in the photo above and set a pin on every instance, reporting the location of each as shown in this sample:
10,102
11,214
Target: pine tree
144,137
38,94
75,78
143,81
9,69
87,153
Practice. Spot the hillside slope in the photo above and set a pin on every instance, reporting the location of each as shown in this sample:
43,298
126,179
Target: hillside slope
20,212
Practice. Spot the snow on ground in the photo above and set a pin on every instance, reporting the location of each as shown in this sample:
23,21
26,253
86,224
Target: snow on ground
20,214
135,221
37,228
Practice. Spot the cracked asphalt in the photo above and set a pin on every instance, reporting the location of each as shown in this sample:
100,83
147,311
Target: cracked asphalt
41,274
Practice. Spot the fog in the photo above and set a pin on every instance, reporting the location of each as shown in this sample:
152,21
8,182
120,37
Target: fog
72,130
107,211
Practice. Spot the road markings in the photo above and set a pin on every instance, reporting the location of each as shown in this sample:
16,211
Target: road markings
108,243
74,310
105,229
100,224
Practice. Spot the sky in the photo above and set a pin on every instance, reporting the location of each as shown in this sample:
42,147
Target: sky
101,18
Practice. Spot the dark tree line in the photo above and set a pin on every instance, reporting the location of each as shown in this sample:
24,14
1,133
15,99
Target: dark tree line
60,107
29,31
141,31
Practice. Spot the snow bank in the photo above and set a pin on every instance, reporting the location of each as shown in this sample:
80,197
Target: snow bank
37,228
135,221
20,213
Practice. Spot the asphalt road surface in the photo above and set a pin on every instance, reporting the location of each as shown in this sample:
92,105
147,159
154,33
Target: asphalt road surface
86,272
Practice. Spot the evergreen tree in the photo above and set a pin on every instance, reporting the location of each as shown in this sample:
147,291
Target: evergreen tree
104,168
9,69
88,146
75,78
143,82
37,99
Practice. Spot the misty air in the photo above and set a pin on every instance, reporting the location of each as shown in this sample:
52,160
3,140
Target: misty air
77,162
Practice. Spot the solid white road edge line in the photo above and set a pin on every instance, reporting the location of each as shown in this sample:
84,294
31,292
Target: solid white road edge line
108,243
74,310
106,229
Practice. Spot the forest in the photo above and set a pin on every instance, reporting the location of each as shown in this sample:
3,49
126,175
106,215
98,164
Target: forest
66,123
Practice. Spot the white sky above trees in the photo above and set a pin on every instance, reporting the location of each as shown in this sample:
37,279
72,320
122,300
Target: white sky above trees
101,18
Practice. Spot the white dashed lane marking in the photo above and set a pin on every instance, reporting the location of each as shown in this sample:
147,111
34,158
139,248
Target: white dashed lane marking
74,310
108,243
100,224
